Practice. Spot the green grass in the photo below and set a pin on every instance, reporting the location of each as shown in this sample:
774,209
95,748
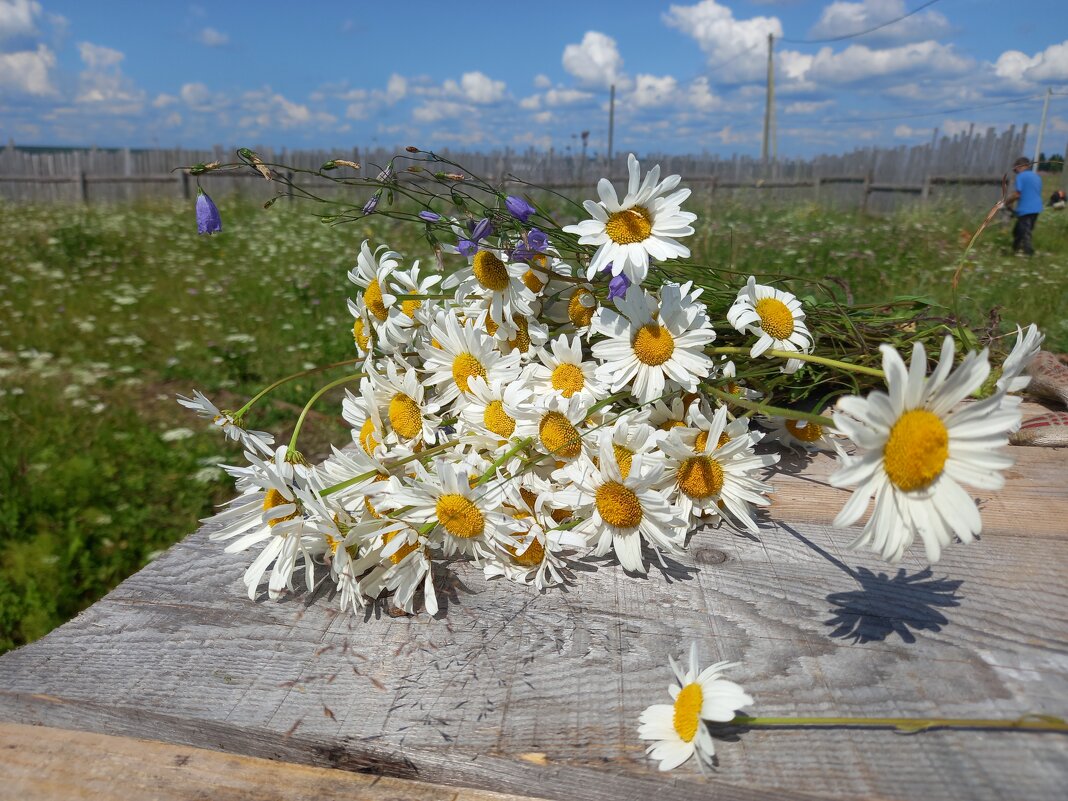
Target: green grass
107,312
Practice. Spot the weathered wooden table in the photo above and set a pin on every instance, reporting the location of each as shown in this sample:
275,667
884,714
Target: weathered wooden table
539,695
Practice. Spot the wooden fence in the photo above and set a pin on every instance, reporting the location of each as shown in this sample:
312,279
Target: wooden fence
969,164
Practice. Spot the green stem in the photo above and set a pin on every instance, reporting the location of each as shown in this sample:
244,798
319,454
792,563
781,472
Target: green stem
238,414
311,402
491,471
348,482
913,725
805,357
777,411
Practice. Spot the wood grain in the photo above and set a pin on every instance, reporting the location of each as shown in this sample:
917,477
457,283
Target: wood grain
177,653
44,764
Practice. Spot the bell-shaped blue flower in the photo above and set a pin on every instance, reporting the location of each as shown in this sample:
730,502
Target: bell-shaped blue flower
208,219
519,208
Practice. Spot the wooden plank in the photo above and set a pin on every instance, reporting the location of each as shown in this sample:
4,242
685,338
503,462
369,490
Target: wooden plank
178,653
44,764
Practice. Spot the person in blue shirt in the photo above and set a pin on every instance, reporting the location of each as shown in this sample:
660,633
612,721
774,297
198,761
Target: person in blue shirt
1027,198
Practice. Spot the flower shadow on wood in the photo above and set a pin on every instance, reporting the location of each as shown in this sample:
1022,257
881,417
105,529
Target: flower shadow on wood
898,605
885,605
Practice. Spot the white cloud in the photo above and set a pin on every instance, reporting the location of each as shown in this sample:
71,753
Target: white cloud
544,117
435,110
737,48
357,111
18,19
908,132
28,72
595,62
396,88
476,87
264,109
566,97
163,100
194,94
700,97
859,63
651,91
1049,65
532,103
843,19
209,37
103,83
807,106
542,81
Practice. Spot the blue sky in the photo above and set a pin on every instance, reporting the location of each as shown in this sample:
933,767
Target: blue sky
479,75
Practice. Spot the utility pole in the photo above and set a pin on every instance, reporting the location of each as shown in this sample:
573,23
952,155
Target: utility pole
1041,129
768,108
611,124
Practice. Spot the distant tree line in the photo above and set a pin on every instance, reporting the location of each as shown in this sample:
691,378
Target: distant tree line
1054,163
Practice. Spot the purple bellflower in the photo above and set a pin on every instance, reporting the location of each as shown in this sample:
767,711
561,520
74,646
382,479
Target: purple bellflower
469,246
208,219
618,286
372,204
429,216
519,208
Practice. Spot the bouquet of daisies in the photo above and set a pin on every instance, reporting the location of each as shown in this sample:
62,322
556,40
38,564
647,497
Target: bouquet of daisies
547,392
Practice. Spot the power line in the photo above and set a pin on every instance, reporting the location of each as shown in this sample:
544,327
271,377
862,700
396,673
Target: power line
959,110
878,27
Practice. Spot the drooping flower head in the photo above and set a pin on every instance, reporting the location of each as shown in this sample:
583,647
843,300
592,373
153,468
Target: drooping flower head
208,219
519,208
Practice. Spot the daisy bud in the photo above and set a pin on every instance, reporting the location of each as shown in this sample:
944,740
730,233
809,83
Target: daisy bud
208,219
519,208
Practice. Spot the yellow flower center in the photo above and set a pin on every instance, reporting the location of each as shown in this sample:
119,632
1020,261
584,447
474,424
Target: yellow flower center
403,551
578,312
460,517
490,271
272,499
667,425
358,334
532,281
702,440
464,367
653,344
629,225
559,436
568,379
372,296
687,715
806,432
405,416
367,436
916,450
491,327
367,503
332,543
618,505
776,320
623,459
529,498
497,420
521,341
700,477
409,307
531,557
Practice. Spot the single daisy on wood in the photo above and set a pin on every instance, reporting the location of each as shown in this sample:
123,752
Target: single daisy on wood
697,695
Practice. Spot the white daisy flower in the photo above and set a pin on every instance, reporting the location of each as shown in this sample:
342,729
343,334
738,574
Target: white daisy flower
562,368
713,473
499,284
644,225
622,512
412,415
697,695
360,471
467,519
259,441
490,415
775,317
916,449
629,437
463,352
404,318
362,413
578,307
653,350
362,330
372,274
526,336
801,435
402,565
556,426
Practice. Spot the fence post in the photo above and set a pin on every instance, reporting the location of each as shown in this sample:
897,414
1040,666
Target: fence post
925,191
183,184
289,183
816,189
83,186
866,193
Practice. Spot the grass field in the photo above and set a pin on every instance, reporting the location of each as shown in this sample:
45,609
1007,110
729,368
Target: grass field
107,312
